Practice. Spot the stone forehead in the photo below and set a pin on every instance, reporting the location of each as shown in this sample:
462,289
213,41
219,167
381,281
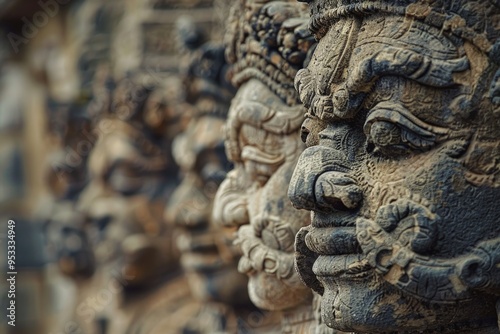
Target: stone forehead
476,21
363,41
375,44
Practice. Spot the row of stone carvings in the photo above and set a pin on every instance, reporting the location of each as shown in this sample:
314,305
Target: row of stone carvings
374,213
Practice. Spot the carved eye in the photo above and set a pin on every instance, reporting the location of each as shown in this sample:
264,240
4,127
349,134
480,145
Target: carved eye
385,134
393,131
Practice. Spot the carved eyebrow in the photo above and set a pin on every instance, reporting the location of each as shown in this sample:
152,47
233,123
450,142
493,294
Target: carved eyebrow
407,63
284,121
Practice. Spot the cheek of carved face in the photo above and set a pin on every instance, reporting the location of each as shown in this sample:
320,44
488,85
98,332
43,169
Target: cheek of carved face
436,184
231,200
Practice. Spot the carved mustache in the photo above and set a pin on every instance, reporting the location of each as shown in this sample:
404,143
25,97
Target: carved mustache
395,244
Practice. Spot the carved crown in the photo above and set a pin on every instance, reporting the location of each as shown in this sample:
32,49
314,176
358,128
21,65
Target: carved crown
271,43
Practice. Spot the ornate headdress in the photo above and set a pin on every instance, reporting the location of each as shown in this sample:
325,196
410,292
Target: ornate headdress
271,43
474,21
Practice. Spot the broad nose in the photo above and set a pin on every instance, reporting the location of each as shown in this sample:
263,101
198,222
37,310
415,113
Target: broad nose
188,206
321,182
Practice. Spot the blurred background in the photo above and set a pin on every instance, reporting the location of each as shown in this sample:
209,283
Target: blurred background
67,67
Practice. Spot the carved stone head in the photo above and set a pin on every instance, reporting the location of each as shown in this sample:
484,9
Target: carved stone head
66,175
268,42
401,172
131,178
207,255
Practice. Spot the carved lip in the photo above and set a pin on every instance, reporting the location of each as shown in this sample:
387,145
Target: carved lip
351,265
333,240
339,252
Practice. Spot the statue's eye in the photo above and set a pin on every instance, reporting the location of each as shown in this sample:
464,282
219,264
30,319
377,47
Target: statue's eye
393,131
385,133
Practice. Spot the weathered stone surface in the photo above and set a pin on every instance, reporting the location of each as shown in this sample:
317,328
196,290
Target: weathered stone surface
401,170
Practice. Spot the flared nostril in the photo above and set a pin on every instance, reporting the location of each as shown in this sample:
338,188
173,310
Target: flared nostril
300,193
338,192
304,132
313,188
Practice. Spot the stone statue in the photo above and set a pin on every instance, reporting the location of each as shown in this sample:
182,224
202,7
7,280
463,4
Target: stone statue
66,177
207,255
132,176
268,42
401,172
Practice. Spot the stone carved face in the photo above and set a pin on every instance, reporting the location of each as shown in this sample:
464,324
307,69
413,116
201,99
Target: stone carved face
207,254
267,42
263,143
66,176
131,178
401,174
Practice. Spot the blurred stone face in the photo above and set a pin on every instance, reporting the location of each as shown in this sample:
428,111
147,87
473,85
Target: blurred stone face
400,176
70,132
124,201
131,177
66,176
207,254
263,142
